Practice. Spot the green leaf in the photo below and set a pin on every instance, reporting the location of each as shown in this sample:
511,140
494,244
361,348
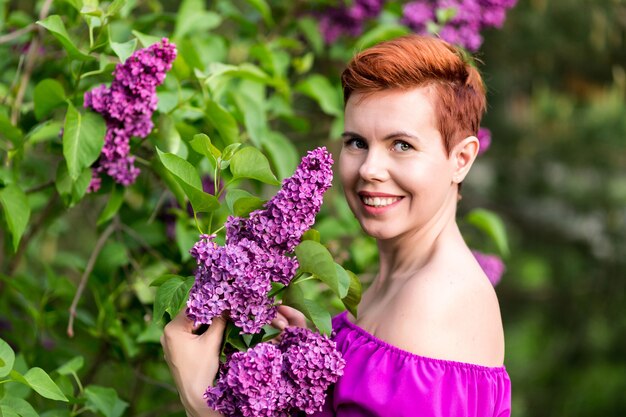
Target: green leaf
7,358
352,300
9,131
343,280
319,316
48,95
172,295
192,17
201,143
16,211
185,237
241,203
72,191
315,259
39,381
262,7
83,139
115,7
105,400
223,122
233,337
269,333
18,405
47,130
250,100
249,162
7,411
445,14
187,177
311,31
146,40
113,205
381,33
55,25
311,234
72,366
324,93
124,50
490,223
282,152
230,151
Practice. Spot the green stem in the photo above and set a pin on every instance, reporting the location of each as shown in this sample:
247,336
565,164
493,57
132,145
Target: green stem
195,217
80,385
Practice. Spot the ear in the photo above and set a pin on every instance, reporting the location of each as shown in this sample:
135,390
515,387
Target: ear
463,156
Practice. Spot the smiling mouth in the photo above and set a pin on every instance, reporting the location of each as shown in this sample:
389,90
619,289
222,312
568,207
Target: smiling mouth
379,201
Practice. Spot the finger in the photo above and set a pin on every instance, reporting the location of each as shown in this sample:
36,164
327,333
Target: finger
293,316
280,322
182,322
212,338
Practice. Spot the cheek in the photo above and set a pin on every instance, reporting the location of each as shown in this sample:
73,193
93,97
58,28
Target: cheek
347,170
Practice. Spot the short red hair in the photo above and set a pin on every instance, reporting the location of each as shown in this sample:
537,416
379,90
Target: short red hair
419,61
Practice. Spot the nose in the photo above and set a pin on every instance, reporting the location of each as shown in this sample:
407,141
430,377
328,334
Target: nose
374,167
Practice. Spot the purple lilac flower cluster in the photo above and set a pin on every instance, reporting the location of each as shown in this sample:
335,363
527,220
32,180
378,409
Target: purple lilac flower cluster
484,139
127,106
492,265
237,277
349,20
270,380
470,18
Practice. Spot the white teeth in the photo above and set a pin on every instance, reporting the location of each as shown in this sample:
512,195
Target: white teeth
379,201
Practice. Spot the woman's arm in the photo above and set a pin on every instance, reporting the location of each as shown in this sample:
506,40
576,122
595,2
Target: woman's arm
193,360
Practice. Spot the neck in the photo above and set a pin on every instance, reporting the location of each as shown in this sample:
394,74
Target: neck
404,255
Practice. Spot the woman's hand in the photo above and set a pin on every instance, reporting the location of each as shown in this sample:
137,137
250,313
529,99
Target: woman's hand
288,317
193,360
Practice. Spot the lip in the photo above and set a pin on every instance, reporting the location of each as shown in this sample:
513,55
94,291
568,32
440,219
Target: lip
373,194
371,210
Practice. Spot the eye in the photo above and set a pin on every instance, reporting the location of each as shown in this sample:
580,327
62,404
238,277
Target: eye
401,146
355,143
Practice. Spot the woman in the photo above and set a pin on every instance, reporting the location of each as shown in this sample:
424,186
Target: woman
428,340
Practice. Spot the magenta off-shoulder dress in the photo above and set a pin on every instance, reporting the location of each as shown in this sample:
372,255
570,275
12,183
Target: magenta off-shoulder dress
381,380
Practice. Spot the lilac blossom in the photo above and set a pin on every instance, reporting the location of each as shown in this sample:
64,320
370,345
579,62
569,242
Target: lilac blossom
348,20
127,107
251,384
270,380
291,212
237,277
484,139
468,19
417,14
492,265
312,362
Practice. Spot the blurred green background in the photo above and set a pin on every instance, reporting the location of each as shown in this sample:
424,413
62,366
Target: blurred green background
555,173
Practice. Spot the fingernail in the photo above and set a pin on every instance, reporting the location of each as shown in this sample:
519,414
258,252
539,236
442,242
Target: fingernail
281,324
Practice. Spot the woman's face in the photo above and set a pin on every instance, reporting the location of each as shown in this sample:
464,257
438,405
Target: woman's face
395,170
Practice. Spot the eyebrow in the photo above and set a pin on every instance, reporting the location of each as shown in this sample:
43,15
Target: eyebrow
393,135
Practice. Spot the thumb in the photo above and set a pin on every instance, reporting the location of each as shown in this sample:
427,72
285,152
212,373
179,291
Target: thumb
212,338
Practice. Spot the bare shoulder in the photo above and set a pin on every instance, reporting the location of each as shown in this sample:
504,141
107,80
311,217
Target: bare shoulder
449,313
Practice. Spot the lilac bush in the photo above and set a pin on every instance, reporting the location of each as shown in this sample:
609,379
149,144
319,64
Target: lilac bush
278,380
348,20
127,107
484,139
492,265
469,18
236,278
